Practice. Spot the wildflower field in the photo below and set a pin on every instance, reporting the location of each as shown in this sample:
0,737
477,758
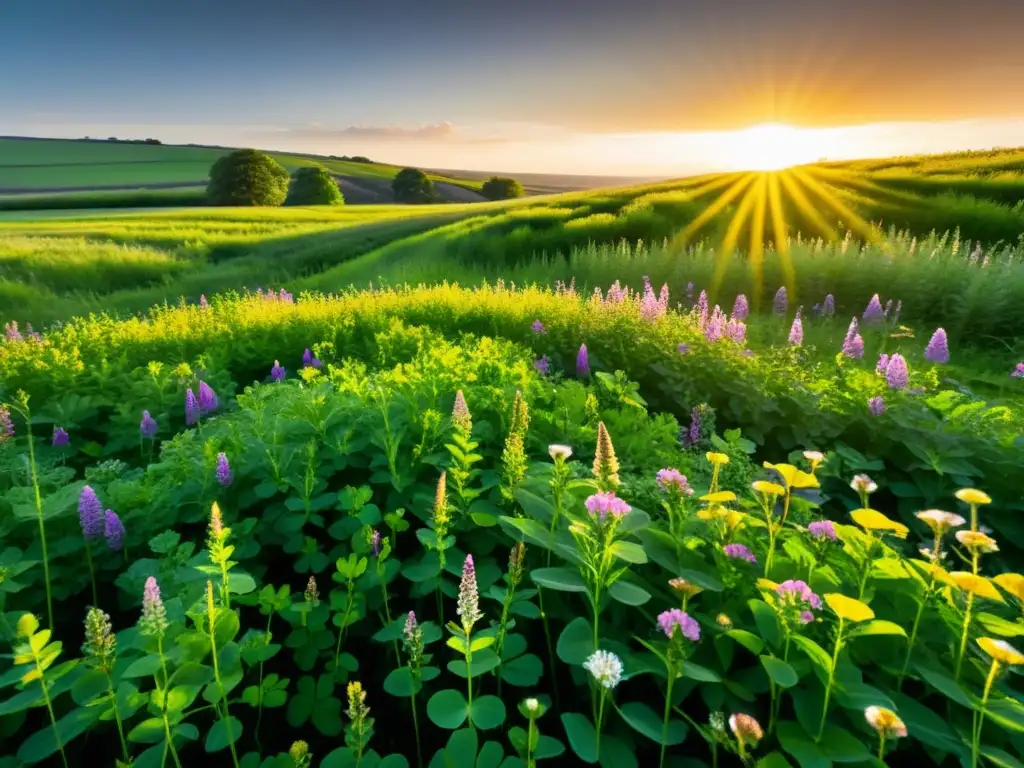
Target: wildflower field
498,526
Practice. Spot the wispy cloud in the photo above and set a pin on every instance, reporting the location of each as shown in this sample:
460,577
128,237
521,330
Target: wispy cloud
433,132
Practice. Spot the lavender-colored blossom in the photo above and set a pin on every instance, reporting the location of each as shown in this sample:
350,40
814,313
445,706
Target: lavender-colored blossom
853,344
1018,372
691,435
714,327
277,372
882,364
874,312
582,362
90,513
822,529
203,303
689,293
828,308
154,615
780,305
6,425
740,308
12,332
702,309
816,309
684,349
538,327
739,552
148,425
309,361
671,479
223,470
409,631
651,306
896,373
469,596
542,365
795,592
736,331
60,437
674,617
937,350
113,530
600,505
877,406
375,540
796,331
207,398
191,408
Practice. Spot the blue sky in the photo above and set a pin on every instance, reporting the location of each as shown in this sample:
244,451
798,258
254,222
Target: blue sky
459,83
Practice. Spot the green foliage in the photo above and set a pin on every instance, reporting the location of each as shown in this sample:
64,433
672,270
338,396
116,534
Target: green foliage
314,186
247,177
502,188
412,185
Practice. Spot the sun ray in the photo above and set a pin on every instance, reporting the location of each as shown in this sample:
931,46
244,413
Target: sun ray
780,228
712,210
852,220
756,252
732,234
797,195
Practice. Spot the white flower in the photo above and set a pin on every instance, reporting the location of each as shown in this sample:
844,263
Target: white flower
815,457
606,668
976,541
532,705
885,722
863,484
559,451
940,521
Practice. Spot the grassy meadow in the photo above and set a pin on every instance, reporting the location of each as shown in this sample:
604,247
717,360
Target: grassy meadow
623,450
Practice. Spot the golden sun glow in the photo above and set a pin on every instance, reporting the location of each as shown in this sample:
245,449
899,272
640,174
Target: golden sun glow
775,146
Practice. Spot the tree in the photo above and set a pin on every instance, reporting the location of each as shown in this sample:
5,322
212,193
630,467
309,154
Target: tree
411,185
247,177
501,188
314,186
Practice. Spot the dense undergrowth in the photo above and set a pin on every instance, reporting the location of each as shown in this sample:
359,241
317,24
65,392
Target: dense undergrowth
617,574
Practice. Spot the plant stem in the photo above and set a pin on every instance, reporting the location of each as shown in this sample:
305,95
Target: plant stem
831,677
668,711
117,717
44,685
530,762
387,615
92,573
881,747
976,734
967,627
167,726
416,730
341,629
225,715
913,634
42,531
469,682
259,710
551,649
600,717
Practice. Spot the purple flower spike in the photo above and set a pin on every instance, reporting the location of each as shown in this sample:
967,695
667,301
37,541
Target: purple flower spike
6,425
223,470
191,408
877,406
542,365
828,308
874,312
203,302
1018,372
113,530
739,552
307,358
896,373
702,310
796,332
781,303
207,398
691,435
375,543
469,596
882,364
683,349
937,350
60,437
538,327
740,308
822,529
582,362
853,344
148,425
674,617
90,513
277,372
736,331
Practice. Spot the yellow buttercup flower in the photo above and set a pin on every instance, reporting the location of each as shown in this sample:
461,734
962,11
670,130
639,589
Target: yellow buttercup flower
793,477
767,488
1012,583
848,608
717,458
1001,651
977,542
885,722
873,520
973,496
975,584
719,497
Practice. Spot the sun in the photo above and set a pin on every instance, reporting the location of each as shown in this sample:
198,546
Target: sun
773,146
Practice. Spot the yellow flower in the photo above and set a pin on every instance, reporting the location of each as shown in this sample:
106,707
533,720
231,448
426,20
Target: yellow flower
885,722
977,585
793,477
684,587
973,496
717,458
767,488
766,585
977,542
724,621
1012,583
746,729
872,520
847,608
719,497
940,521
1001,651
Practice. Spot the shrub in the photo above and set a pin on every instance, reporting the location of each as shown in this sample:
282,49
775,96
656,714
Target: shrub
502,188
314,186
411,185
247,177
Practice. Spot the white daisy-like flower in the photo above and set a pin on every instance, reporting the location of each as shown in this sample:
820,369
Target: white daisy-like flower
559,451
863,484
940,521
532,705
606,668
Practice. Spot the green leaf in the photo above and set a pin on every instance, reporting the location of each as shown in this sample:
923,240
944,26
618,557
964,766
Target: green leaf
697,672
1009,713
149,731
447,709
1000,758
461,749
576,643
582,737
548,747
143,667
483,662
400,682
779,671
191,673
487,712
841,746
561,579
628,593
773,760
523,671
222,733
644,720
767,622
479,643
997,625
946,686
877,627
491,755
629,551
796,742
241,583
393,761
818,655
44,742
